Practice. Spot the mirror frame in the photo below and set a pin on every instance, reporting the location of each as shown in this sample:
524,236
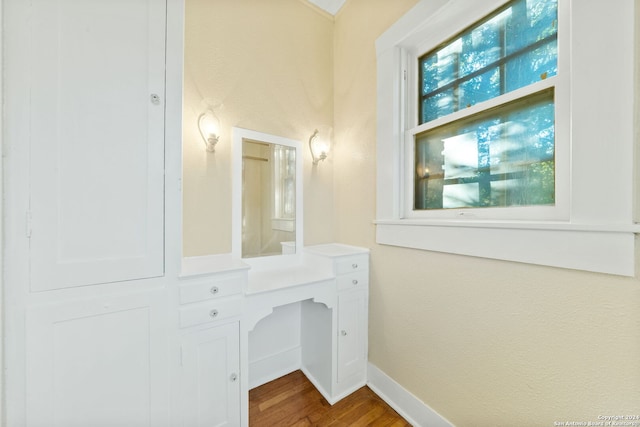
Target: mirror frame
239,135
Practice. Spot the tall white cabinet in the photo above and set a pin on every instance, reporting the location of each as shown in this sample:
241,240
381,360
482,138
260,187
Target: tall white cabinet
90,165
95,133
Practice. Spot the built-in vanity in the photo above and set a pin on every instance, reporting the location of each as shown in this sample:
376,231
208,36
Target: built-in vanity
272,306
223,302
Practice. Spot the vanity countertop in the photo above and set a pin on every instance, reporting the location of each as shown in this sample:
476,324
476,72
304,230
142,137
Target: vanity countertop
270,280
262,279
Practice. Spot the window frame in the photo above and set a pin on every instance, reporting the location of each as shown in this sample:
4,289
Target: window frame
412,54
576,233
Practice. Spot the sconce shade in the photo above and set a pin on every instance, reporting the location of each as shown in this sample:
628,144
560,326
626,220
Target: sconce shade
209,126
319,146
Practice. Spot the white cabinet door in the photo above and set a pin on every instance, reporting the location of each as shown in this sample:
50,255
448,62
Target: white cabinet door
211,383
352,334
99,362
94,72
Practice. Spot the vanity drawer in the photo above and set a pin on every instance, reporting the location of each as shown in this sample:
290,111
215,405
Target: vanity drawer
210,311
352,264
352,281
210,288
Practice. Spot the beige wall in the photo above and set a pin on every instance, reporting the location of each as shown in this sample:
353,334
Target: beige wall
484,343
265,66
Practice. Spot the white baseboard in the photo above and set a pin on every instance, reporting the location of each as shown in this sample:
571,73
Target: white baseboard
412,409
318,386
272,367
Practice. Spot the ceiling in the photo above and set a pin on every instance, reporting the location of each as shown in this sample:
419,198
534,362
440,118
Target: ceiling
331,6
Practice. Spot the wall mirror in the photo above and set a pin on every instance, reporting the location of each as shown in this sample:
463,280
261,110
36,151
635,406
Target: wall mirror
267,195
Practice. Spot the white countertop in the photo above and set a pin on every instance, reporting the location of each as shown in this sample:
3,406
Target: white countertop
271,280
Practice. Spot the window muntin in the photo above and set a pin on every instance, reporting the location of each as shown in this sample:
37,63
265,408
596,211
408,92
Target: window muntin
501,157
510,49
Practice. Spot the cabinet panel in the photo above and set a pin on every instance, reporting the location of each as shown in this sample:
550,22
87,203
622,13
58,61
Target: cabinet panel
352,334
353,281
352,264
196,314
98,362
211,383
210,288
96,141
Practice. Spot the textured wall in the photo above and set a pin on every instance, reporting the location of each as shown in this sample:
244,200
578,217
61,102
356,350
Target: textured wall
483,342
265,66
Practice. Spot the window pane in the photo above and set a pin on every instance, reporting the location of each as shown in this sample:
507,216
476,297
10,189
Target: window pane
502,157
438,105
480,88
512,48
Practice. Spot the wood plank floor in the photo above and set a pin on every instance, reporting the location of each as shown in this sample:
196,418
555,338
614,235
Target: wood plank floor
293,401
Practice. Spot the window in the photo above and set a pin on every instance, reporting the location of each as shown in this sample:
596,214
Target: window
504,156
502,132
501,157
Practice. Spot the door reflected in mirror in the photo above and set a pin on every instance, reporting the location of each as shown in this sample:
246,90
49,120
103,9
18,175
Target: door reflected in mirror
268,199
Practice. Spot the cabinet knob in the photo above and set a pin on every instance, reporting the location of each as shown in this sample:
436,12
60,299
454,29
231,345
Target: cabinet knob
354,281
213,313
233,377
343,333
214,290
155,99
354,266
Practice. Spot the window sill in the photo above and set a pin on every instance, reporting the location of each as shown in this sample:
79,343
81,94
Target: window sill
602,248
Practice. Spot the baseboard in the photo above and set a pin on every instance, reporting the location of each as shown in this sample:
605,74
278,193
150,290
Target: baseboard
318,386
412,409
272,367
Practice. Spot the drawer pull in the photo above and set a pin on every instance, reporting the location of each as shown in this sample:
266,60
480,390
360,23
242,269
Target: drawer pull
214,290
343,333
354,266
233,377
213,313
354,281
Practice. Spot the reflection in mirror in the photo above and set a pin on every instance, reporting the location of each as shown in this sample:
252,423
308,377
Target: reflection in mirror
267,190
268,199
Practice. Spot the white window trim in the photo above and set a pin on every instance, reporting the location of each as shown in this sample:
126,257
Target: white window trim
583,232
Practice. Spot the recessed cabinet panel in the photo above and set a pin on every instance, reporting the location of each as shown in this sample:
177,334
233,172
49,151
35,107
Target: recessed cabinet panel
211,377
98,362
96,141
352,334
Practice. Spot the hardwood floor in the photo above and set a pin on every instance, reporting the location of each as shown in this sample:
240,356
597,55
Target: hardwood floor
293,401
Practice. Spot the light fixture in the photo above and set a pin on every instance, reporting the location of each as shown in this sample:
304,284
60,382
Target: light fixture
319,146
209,129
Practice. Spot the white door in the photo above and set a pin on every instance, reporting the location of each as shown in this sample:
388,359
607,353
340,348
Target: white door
98,362
211,383
352,334
95,78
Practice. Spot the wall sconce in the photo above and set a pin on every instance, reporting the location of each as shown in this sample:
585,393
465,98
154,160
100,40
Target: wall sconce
209,129
319,146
